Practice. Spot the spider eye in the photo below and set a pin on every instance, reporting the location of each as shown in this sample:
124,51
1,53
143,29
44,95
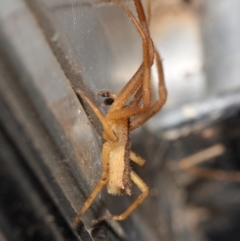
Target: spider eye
108,101
104,93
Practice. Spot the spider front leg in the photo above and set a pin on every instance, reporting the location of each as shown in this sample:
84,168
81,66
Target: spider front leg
110,133
143,117
143,74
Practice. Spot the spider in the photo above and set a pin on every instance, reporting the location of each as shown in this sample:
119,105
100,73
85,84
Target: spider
127,110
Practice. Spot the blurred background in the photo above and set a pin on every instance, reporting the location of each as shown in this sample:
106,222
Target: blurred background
51,145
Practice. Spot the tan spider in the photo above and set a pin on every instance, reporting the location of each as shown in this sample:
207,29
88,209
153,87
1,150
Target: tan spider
130,109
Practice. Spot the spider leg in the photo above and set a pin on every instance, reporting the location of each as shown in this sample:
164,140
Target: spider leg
140,119
128,90
148,12
101,183
136,98
144,189
141,14
138,95
143,74
136,158
100,116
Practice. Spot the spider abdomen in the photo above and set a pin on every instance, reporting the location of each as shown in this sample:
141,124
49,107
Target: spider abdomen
119,181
